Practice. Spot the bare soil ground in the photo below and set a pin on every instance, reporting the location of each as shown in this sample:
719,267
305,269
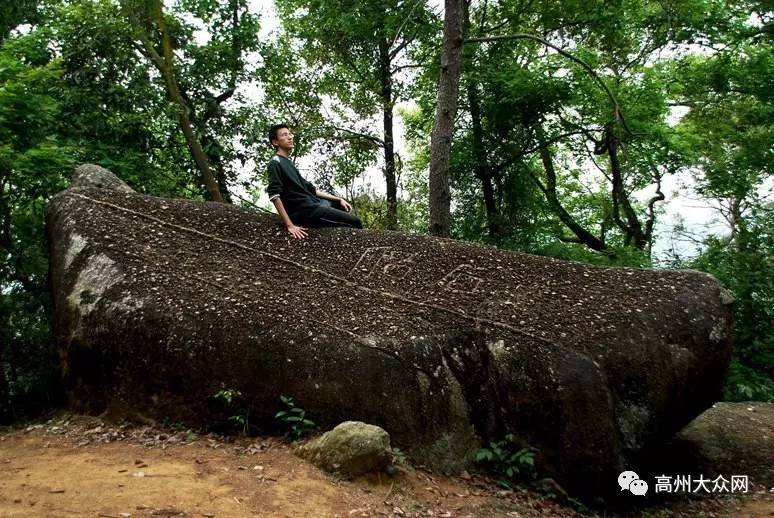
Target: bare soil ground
82,466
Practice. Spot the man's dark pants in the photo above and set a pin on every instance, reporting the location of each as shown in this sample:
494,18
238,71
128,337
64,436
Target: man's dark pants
325,215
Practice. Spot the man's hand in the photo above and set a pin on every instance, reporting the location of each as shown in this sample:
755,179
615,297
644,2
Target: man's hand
296,231
346,205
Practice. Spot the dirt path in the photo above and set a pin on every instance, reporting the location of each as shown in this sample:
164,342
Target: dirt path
83,467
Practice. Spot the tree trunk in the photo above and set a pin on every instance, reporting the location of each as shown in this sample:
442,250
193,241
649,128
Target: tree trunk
5,404
482,167
651,221
166,67
632,227
583,236
735,221
5,216
385,78
216,162
220,176
446,110
199,156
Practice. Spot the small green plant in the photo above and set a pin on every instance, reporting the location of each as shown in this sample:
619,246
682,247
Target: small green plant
178,426
510,464
294,419
231,397
228,395
398,457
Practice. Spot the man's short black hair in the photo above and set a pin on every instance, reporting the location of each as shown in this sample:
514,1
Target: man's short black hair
273,132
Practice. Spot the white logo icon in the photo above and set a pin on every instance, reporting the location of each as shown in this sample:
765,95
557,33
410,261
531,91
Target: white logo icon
629,480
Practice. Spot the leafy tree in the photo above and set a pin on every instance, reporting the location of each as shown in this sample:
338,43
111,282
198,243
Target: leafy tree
730,125
587,122
361,49
64,99
217,65
744,265
31,161
17,13
113,111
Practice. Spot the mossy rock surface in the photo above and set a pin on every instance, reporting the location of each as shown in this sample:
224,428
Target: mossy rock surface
351,449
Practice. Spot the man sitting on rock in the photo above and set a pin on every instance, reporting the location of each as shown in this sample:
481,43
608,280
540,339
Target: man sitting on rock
296,200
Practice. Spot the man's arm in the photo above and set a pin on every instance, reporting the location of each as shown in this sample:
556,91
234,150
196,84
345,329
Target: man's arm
274,189
295,231
325,196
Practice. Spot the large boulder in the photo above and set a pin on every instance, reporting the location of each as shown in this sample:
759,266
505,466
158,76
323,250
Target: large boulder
728,439
160,303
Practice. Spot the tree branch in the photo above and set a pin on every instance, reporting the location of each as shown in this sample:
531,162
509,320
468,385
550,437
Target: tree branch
402,67
148,50
618,113
394,52
659,196
224,96
549,190
402,25
356,134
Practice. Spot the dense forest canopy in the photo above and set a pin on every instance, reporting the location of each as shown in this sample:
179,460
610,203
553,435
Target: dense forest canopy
573,124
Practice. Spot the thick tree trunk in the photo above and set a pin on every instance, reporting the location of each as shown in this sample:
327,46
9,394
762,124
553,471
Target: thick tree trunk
385,78
446,110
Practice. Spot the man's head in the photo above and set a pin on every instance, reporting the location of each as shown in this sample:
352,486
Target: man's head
281,137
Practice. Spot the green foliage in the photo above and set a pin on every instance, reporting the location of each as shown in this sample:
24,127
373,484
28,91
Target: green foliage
399,457
507,462
75,87
71,91
32,161
294,420
744,265
748,384
372,210
357,51
619,255
730,128
228,395
344,39
234,401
